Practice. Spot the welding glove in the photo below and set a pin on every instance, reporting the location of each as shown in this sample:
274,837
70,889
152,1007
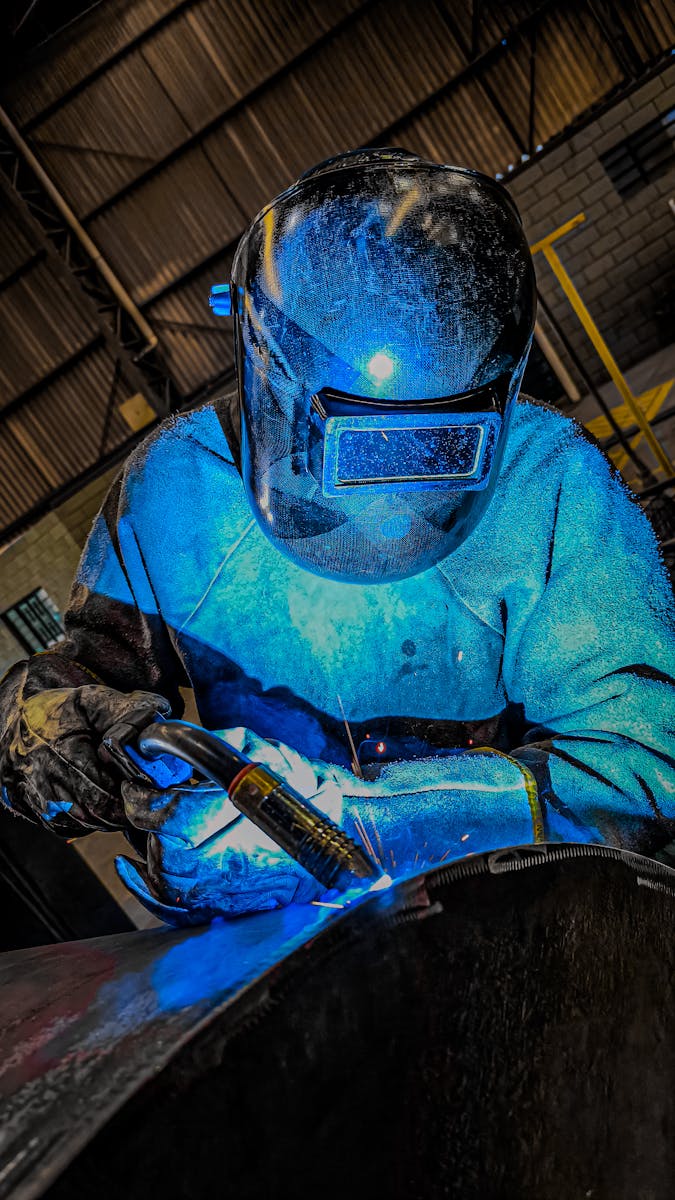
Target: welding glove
438,809
204,859
49,765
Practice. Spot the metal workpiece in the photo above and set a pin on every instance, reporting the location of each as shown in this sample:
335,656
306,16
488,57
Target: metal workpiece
495,1027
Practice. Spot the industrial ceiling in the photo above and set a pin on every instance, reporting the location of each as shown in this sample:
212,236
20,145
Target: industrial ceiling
137,144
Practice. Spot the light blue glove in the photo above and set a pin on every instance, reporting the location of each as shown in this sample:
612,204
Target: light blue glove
204,859
435,810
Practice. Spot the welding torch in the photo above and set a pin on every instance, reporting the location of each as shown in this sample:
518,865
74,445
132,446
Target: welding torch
165,753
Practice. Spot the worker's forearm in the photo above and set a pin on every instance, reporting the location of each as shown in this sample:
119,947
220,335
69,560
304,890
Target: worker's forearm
438,809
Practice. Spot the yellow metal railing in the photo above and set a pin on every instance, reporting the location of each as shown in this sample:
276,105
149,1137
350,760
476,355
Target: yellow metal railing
634,405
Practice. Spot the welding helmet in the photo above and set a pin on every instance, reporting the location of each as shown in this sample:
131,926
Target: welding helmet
384,309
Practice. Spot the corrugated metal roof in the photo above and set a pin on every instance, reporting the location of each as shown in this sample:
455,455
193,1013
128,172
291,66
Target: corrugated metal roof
146,105
169,224
354,83
91,43
214,54
198,345
61,429
487,20
184,135
651,24
463,129
574,68
16,246
42,325
108,134
22,483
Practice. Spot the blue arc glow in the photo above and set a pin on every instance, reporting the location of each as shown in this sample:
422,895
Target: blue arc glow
380,367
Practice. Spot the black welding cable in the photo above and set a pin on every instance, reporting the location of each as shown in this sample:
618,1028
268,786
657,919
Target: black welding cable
213,757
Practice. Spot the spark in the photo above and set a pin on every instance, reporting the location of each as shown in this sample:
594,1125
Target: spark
383,882
361,830
325,904
445,855
384,435
356,766
464,837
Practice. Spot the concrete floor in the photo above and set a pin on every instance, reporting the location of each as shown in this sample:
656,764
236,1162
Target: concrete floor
99,851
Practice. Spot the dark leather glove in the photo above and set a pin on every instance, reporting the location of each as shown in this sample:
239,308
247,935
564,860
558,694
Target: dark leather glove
49,764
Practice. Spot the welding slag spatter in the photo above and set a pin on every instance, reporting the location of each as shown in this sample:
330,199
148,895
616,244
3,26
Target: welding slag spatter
165,752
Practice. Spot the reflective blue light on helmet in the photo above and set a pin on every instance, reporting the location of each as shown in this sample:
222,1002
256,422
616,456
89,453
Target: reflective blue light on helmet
408,452
381,367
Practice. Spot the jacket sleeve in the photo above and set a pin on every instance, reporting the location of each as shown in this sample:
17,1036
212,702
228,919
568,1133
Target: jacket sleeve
115,634
114,626
590,654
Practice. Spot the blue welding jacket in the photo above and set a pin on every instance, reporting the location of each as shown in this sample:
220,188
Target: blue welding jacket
549,633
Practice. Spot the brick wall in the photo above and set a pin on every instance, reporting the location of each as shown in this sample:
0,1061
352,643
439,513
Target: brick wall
622,259
47,556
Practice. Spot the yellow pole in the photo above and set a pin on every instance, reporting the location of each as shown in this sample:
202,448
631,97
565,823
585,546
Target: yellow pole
599,344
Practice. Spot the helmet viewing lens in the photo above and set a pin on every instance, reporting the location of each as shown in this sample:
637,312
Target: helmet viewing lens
386,445
408,452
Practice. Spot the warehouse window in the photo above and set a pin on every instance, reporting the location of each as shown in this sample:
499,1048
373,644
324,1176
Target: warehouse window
34,621
643,156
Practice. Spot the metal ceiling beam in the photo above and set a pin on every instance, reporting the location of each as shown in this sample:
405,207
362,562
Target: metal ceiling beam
196,138
381,137
103,67
48,203
76,261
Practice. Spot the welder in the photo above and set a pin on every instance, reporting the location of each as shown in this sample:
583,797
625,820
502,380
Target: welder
376,543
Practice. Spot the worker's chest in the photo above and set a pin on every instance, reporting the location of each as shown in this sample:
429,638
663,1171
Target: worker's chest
267,639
